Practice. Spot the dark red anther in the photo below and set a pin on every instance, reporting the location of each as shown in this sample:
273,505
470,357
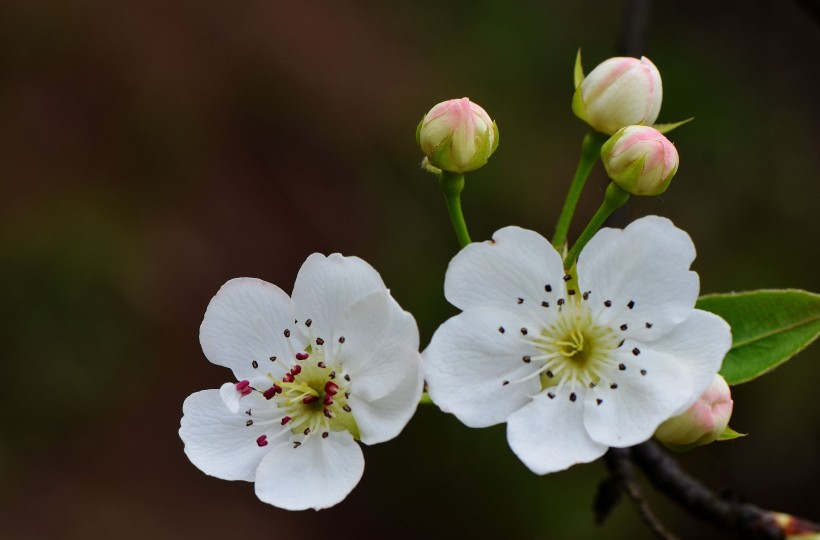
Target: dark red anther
328,413
244,387
296,370
262,440
328,399
272,391
302,356
288,377
310,399
331,388
285,420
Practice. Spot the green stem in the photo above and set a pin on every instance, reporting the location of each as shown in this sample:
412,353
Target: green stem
590,152
452,184
615,198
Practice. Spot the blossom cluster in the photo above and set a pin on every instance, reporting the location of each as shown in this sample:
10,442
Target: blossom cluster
575,356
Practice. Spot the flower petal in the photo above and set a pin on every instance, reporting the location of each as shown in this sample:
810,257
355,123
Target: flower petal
382,419
699,345
243,324
221,443
326,287
548,434
474,363
511,271
639,277
317,474
375,341
627,406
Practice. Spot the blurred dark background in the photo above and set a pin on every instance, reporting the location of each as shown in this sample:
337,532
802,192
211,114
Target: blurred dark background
150,150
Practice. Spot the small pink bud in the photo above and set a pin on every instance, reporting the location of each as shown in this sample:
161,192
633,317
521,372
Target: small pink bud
457,136
640,160
703,422
619,92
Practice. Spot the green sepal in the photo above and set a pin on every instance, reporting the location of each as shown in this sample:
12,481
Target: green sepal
425,399
578,106
578,72
768,328
666,128
418,131
729,434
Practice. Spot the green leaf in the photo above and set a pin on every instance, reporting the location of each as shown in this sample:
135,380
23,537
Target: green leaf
729,434
768,328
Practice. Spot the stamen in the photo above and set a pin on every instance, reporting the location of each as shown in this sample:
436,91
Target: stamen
262,440
287,332
249,423
501,329
302,356
548,288
325,435
636,351
520,301
296,370
320,341
631,304
255,364
285,420
341,339
331,388
244,387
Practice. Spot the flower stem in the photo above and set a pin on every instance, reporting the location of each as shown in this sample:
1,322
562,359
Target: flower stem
590,152
452,184
614,198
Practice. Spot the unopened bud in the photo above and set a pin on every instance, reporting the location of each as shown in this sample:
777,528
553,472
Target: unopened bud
703,422
457,136
619,92
640,160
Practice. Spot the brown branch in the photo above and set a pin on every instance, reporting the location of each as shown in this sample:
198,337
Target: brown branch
620,467
747,520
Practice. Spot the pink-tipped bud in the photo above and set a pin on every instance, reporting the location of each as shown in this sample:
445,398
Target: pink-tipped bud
703,422
640,160
619,92
457,136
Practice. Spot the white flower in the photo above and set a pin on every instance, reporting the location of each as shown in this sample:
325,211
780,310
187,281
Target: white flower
574,366
337,363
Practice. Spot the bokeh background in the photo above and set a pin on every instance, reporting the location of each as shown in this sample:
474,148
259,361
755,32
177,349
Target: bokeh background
150,150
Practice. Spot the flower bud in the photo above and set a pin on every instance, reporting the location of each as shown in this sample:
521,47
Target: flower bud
619,92
703,422
640,160
457,136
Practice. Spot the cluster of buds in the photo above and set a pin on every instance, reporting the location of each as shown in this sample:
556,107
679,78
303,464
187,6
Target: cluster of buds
622,97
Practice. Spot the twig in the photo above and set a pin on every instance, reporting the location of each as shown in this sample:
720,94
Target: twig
620,467
748,521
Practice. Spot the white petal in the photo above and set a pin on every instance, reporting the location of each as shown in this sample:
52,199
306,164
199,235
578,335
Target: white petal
633,403
468,361
515,264
646,264
244,323
230,396
220,443
699,345
548,435
380,340
326,287
382,419
317,474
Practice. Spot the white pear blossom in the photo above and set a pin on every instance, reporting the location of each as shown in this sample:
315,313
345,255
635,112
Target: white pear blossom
574,363
336,363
